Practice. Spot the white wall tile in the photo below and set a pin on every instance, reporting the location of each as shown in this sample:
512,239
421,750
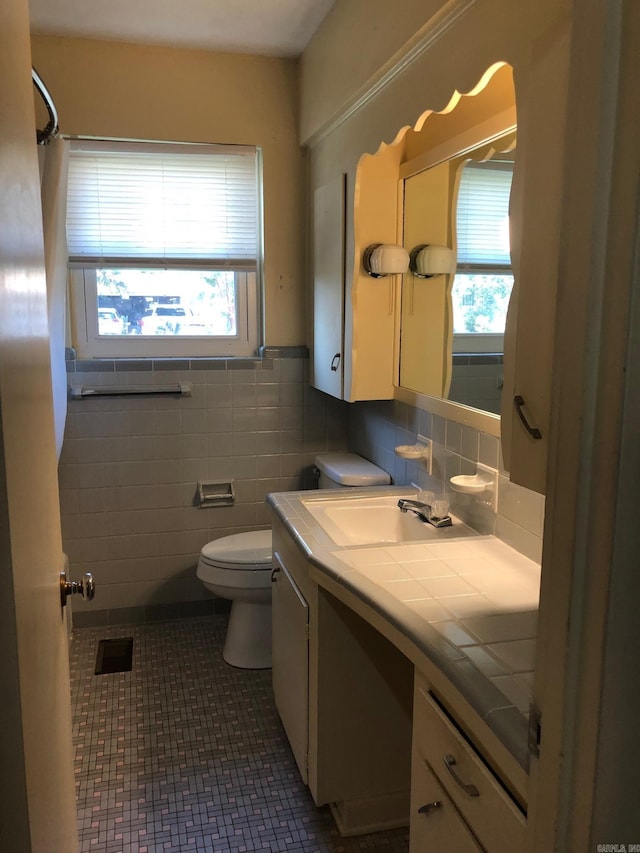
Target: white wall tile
521,506
136,461
517,537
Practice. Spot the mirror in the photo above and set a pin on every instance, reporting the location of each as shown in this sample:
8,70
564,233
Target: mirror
452,326
455,192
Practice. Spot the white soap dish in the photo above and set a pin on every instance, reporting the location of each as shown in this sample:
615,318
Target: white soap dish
411,451
471,484
483,483
423,450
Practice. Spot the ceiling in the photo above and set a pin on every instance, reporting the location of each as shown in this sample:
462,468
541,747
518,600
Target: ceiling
265,27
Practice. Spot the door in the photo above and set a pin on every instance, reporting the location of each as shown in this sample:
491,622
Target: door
290,661
37,807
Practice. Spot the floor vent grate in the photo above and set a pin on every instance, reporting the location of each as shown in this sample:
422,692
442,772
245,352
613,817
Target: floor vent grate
114,656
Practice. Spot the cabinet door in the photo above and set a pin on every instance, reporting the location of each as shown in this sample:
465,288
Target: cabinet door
328,287
536,201
426,327
290,661
436,824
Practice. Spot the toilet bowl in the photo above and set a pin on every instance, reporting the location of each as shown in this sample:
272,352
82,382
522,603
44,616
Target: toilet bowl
238,567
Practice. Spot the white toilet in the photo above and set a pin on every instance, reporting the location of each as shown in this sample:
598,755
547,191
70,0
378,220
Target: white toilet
239,567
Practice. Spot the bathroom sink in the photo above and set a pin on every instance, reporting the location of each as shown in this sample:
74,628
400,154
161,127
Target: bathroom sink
374,520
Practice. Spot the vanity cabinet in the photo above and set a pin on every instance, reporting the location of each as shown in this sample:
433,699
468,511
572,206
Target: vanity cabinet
290,659
378,731
472,797
344,693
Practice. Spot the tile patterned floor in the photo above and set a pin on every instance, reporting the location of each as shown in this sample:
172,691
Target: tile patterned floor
185,753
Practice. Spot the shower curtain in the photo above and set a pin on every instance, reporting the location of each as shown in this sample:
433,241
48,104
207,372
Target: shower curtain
53,171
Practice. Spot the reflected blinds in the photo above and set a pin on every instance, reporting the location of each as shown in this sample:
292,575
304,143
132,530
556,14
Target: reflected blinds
482,220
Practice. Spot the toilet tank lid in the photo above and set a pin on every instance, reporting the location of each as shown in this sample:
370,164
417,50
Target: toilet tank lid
241,549
349,469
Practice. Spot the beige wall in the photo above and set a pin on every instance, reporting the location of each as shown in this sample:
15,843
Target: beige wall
450,58
354,42
361,41
109,89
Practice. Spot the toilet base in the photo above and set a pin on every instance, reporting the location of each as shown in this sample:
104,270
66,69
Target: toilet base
248,641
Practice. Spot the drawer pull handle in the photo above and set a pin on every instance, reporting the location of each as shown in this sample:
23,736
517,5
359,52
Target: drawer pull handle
428,807
275,571
450,763
534,432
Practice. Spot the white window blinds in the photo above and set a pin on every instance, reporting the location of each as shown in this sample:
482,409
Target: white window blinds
162,204
482,219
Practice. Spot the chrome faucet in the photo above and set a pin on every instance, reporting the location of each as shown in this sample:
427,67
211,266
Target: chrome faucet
424,512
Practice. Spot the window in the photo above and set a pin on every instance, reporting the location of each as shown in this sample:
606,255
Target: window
483,282
164,242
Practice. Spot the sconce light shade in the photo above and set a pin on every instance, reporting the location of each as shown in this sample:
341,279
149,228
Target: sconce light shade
382,259
426,261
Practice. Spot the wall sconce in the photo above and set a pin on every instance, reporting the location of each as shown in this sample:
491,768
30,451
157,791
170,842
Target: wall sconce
426,261
382,259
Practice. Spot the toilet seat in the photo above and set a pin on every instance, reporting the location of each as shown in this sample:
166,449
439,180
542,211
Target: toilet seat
241,552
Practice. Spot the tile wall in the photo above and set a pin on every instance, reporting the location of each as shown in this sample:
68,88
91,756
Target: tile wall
376,428
130,465
477,380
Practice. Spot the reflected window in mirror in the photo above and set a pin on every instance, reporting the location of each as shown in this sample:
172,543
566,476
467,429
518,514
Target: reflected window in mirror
484,279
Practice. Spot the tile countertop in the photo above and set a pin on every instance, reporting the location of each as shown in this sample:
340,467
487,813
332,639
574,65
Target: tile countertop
470,605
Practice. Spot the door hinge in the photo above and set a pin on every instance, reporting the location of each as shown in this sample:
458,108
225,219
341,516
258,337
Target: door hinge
306,632
535,729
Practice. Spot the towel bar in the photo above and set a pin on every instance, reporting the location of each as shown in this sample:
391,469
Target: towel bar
79,392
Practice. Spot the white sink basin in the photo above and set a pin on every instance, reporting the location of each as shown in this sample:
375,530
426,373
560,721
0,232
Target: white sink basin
373,520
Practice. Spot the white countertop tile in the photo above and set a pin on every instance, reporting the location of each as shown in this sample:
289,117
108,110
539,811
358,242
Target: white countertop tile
513,690
357,557
518,655
384,572
484,661
451,585
430,610
456,634
428,569
406,590
521,625
463,606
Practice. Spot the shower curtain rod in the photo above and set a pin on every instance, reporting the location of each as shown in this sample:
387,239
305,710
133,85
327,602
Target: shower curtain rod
43,136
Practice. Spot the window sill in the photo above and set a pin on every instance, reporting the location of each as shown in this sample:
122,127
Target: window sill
262,361
477,358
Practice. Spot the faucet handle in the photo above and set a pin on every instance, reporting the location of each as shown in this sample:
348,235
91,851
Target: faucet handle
440,508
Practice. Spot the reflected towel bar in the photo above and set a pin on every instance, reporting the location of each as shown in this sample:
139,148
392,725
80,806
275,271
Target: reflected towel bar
181,389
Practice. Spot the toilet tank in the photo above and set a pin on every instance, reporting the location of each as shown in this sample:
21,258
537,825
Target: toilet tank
344,470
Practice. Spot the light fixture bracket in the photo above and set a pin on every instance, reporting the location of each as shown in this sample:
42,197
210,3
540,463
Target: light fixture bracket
427,261
383,259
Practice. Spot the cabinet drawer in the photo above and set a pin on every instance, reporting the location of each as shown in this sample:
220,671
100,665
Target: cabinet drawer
435,822
479,797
